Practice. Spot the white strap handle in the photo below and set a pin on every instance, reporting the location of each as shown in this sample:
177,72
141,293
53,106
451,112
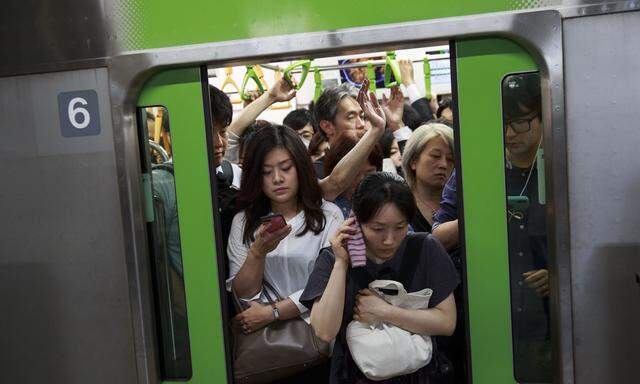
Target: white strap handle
378,285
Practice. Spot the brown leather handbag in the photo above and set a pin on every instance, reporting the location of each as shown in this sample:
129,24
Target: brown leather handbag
279,350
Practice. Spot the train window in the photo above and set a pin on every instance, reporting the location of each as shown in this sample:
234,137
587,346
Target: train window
164,240
526,226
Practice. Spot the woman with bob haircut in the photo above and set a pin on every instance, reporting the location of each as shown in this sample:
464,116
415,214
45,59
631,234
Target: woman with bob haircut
427,163
337,293
277,177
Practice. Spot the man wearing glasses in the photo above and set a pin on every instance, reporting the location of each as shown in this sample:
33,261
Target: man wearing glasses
528,252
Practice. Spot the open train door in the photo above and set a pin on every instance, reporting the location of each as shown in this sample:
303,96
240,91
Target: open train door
175,133
502,348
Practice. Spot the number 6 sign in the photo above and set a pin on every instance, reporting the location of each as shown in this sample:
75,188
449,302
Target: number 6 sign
78,112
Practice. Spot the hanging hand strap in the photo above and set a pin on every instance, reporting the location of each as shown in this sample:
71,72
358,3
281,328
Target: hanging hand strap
251,74
392,67
427,77
371,74
304,65
317,77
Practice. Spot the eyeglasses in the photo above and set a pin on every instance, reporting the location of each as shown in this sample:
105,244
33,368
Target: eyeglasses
520,125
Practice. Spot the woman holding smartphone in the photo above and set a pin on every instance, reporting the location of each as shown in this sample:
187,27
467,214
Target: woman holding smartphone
272,250
337,293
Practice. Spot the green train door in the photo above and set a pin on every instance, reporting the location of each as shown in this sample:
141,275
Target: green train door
188,292
174,114
481,67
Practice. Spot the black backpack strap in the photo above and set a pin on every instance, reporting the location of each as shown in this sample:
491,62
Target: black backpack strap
411,256
227,171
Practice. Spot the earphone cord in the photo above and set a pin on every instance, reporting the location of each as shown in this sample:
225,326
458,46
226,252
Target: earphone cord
526,183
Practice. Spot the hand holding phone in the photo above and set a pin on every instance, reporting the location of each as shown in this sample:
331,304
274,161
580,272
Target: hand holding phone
275,221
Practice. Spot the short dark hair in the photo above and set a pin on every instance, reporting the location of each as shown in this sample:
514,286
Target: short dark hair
252,198
386,141
344,146
379,188
326,107
410,117
249,133
442,105
314,145
220,106
521,95
298,119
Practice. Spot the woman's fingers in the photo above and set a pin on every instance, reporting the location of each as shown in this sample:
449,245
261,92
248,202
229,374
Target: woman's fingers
374,101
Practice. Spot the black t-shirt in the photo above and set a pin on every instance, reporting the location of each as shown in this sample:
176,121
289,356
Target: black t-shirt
318,165
420,223
433,269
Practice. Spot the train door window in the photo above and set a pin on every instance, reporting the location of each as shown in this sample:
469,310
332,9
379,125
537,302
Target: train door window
164,241
526,227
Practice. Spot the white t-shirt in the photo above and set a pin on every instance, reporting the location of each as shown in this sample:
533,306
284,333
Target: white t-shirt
287,268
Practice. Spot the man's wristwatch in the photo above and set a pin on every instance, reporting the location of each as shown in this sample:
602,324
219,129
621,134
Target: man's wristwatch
276,311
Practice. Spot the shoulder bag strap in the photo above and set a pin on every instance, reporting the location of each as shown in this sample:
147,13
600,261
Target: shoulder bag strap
411,257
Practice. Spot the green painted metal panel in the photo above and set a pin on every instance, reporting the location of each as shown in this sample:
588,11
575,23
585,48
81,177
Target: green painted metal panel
180,92
481,66
146,24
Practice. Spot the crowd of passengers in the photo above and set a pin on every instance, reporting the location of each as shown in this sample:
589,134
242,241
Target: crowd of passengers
352,165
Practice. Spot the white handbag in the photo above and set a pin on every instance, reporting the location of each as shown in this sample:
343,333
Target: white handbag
383,351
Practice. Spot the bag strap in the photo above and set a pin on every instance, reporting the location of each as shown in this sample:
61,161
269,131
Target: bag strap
380,286
411,257
227,171
268,287
240,307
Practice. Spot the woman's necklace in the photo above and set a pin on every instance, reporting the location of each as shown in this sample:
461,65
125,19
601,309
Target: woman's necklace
429,207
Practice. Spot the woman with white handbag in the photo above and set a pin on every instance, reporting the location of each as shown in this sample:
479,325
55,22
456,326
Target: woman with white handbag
382,314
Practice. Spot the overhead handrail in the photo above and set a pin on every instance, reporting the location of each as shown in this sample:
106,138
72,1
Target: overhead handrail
317,77
304,65
371,74
375,63
251,74
392,67
427,77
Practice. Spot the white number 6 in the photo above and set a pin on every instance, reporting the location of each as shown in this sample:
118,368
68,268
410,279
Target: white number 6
73,112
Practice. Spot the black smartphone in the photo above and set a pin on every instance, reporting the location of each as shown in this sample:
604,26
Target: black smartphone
519,203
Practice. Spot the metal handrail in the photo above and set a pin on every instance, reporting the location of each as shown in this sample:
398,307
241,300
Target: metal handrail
163,153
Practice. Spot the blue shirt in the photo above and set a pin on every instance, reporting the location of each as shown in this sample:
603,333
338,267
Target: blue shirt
344,204
448,210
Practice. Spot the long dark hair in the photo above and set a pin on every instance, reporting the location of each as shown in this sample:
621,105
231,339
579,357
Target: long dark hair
252,198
